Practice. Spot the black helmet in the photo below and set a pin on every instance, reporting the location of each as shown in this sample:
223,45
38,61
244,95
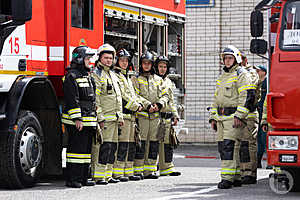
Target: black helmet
161,59
79,53
147,56
123,53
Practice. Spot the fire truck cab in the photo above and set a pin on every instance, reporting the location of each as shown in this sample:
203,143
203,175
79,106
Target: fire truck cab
284,89
36,41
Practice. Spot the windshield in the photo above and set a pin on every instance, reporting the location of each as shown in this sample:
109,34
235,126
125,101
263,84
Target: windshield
5,10
290,27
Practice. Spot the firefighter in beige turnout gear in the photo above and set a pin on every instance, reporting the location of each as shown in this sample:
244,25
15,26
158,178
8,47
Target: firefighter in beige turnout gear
233,98
153,96
248,150
169,117
109,113
123,166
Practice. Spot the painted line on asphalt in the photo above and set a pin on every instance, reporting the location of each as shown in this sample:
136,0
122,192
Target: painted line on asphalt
188,195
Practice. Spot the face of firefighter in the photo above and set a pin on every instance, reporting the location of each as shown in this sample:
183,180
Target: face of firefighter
228,60
262,74
162,68
244,61
87,61
123,62
146,65
107,59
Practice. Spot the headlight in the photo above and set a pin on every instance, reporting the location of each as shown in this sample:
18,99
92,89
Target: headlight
283,142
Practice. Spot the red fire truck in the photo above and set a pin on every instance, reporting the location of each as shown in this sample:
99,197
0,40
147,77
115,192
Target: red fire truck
36,41
284,89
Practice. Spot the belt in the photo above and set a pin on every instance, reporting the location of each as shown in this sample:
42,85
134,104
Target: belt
226,110
166,115
126,111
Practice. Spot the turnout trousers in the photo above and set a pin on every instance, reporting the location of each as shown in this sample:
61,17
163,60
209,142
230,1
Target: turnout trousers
123,165
146,156
229,147
166,165
248,150
78,156
103,155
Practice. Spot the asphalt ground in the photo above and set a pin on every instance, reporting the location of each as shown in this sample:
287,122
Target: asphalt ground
199,179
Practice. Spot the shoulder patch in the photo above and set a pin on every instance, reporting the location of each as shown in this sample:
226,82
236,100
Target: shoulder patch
240,70
98,71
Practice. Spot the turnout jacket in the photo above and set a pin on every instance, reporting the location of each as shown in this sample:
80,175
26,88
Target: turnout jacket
151,90
79,97
171,106
130,101
108,94
264,113
234,91
256,83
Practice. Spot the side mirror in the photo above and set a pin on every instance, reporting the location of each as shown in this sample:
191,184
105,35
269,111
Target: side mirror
256,23
258,46
21,10
262,4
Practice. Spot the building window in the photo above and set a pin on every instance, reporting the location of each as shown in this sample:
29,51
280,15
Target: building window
82,14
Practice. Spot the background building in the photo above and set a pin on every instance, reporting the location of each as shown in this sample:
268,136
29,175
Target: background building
211,25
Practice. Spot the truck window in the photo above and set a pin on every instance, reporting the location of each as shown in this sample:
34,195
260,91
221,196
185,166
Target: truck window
5,8
290,27
82,14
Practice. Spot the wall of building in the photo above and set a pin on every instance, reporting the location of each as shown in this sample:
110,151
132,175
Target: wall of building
208,31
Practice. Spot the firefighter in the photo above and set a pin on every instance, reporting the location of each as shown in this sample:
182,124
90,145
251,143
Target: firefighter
79,117
169,117
109,113
261,137
123,167
248,150
153,96
233,99
264,123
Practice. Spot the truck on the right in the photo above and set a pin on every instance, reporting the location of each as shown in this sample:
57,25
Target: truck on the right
282,50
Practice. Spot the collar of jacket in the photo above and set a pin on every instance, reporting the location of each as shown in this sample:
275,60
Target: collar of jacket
231,69
123,71
105,67
146,74
81,68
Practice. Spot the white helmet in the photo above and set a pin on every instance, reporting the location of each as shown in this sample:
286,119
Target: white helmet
106,48
232,50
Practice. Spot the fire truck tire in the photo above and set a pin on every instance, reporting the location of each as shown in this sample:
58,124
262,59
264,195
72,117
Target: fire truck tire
296,176
21,153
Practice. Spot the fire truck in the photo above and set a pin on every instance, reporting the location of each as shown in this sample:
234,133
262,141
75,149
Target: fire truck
284,88
36,41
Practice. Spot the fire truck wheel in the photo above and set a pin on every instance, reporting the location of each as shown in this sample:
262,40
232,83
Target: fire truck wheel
21,153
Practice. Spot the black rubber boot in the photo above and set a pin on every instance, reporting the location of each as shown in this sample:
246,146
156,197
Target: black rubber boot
175,174
88,183
112,180
141,176
224,184
249,180
134,178
101,182
151,176
237,183
73,184
124,179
